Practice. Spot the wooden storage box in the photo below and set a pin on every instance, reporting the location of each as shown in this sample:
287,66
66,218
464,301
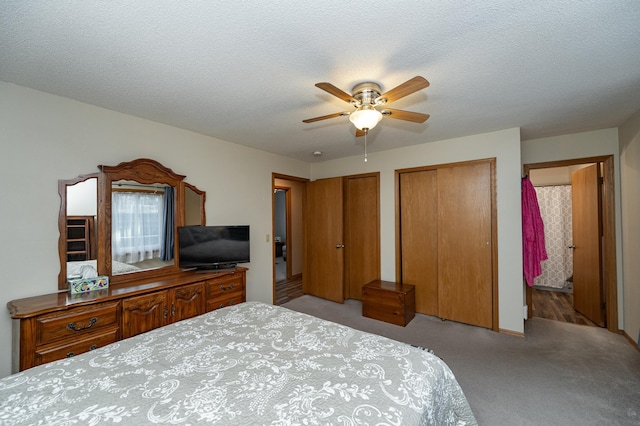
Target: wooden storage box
390,302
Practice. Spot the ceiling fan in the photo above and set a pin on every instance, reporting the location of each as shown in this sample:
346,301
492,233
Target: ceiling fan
369,103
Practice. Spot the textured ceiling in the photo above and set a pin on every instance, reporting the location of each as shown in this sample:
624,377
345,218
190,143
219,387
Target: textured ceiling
245,71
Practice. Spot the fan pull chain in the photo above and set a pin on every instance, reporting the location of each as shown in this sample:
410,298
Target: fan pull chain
365,144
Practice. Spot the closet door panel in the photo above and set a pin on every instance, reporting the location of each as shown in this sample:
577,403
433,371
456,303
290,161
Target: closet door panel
362,233
418,237
464,244
324,267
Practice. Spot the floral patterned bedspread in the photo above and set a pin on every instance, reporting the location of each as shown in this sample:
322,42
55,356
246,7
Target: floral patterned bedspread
249,364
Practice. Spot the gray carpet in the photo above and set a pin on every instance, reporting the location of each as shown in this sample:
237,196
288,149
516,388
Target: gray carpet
559,374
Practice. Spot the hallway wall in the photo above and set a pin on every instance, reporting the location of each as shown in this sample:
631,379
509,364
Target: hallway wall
630,176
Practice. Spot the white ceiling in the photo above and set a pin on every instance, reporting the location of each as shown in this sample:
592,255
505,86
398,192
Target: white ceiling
245,71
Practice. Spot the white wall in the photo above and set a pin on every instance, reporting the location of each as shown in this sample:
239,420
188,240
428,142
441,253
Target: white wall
505,147
630,182
45,138
82,199
584,145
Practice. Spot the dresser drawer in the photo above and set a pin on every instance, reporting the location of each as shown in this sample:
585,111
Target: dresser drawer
76,322
225,291
48,353
224,285
224,300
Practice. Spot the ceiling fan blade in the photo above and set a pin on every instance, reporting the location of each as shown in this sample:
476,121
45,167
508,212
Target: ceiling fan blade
398,114
330,88
406,88
359,132
324,117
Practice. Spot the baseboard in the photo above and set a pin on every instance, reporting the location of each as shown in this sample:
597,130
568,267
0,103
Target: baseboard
556,289
511,332
633,342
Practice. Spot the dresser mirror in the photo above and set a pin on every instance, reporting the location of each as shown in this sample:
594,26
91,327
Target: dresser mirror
123,221
142,226
77,222
194,200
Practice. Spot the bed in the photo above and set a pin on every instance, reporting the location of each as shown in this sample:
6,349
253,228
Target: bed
75,268
247,364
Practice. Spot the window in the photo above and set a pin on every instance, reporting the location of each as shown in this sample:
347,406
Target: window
137,226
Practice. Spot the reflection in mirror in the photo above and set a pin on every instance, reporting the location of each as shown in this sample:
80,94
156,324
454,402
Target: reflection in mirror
194,201
77,223
142,226
78,217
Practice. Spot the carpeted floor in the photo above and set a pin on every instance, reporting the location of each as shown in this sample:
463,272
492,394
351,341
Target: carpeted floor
558,374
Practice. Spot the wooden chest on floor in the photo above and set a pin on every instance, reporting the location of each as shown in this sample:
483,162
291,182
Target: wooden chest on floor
387,301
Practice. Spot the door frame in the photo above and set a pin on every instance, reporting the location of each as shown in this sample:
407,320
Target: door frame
300,250
287,219
608,229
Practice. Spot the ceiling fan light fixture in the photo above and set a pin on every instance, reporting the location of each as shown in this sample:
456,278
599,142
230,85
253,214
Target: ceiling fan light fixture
365,117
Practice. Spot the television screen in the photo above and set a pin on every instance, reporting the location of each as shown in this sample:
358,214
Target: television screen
213,247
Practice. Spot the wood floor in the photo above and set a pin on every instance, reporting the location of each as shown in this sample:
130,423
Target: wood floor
558,306
287,290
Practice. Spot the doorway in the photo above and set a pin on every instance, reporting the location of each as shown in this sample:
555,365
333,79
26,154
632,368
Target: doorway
589,295
287,231
282,205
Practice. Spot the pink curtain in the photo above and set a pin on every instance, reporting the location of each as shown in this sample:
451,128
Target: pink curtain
533,247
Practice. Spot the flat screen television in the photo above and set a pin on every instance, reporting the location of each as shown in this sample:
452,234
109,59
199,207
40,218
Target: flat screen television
213,247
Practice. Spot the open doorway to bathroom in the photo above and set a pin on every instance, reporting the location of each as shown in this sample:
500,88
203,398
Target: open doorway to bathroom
553,296
578,283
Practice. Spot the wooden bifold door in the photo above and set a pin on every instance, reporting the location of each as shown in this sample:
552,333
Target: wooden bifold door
446,240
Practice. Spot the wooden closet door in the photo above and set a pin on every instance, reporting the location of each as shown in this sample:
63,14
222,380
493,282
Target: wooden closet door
419,237
361,232
465,283
324,266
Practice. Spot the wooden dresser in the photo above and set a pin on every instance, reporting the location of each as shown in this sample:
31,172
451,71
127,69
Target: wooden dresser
58,325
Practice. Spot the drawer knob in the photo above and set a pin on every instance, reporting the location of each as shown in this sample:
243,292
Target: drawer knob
223,288
93,347
72,325
70,354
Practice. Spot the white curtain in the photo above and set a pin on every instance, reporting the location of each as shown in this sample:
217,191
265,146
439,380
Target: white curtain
555,209
136,226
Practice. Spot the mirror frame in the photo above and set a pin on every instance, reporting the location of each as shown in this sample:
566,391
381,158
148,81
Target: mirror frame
203,200
62,222
145,171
